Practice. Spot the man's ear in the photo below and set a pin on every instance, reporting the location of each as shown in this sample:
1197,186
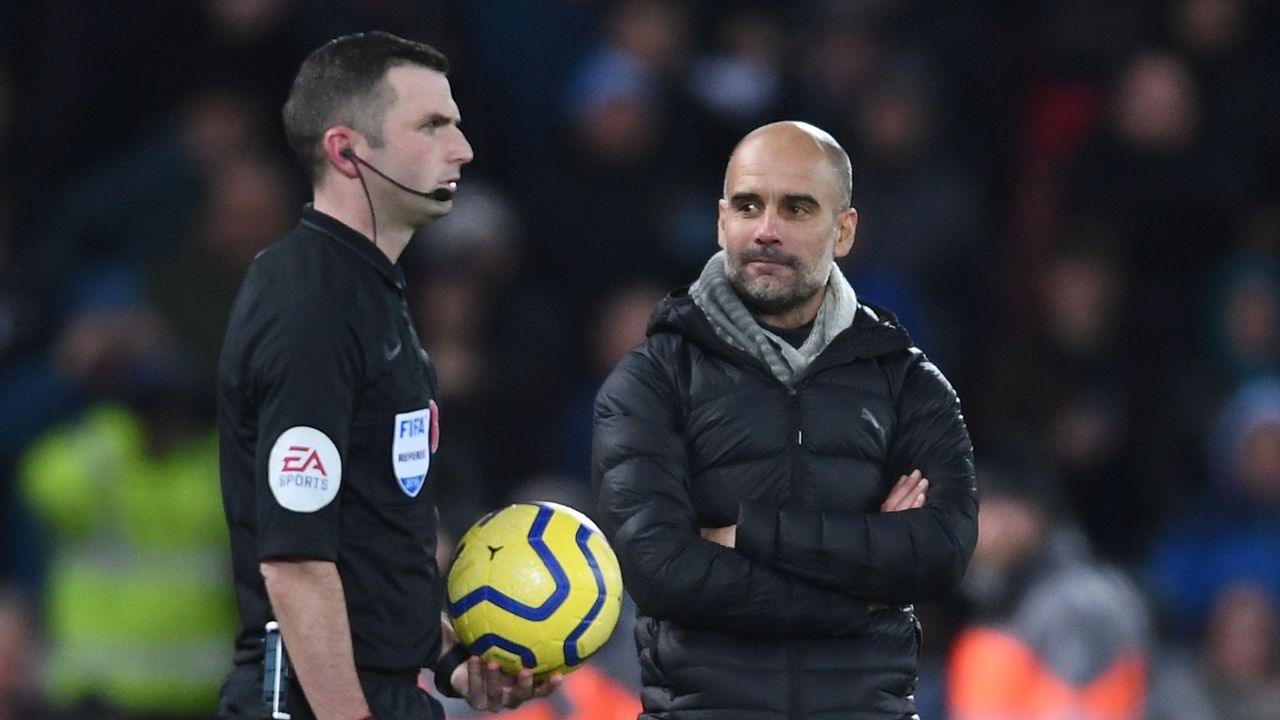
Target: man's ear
846,228
722,209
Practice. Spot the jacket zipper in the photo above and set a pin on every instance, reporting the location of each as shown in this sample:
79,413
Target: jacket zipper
797,451
795,709
795,689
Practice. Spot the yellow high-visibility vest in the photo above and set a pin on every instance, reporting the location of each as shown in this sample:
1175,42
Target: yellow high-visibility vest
139,599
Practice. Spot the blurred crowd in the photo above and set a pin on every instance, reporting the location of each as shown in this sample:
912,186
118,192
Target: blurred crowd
1073,205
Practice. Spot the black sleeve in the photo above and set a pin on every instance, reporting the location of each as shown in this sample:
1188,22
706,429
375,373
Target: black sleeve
640,471
897,557
305,369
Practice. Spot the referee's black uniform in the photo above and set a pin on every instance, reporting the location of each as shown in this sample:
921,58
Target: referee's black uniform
328,423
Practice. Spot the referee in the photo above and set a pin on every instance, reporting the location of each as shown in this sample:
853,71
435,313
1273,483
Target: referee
327,411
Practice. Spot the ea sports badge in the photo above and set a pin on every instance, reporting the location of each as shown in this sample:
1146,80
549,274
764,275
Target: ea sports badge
304,469
411,449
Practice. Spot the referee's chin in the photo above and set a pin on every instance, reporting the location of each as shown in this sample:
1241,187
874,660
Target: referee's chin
431,210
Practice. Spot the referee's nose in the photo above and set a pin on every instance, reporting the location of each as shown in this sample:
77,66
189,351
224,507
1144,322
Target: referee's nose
460,152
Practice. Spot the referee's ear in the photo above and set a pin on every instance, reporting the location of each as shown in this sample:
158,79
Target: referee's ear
341,145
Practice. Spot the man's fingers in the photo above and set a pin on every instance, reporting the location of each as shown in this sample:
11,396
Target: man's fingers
476,694
548,685
495,686
903,492
910,496
520,691
919,493
897,492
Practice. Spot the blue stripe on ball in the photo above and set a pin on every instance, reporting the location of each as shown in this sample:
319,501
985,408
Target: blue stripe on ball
513,606
484,642
571,643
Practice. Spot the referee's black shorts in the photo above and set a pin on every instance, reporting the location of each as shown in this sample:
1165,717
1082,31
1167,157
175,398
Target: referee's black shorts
390,697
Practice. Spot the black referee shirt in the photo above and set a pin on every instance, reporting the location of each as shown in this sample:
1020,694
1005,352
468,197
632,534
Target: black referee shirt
327,425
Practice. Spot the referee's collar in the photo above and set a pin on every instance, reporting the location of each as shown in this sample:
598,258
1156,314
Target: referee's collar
354,241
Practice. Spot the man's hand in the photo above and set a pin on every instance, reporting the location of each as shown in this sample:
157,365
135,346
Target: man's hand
726,536
907,494
486,687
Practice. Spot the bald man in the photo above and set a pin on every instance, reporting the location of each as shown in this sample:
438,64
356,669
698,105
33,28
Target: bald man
781,473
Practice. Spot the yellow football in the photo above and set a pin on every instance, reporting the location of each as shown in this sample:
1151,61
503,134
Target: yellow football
534,585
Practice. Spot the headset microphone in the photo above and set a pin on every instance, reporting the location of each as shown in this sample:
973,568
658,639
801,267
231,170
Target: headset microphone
439,194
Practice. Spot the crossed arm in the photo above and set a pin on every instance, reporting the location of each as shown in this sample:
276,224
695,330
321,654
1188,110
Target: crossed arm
907,494
787,573
910,551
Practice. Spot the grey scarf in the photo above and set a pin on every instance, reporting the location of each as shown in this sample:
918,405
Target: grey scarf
735,324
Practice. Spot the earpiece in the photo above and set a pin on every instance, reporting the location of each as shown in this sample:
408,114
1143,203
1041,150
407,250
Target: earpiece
348,153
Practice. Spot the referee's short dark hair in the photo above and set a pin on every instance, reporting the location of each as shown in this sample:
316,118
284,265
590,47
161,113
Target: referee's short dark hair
342,83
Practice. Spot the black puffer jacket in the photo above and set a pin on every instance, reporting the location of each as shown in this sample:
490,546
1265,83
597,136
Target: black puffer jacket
692,433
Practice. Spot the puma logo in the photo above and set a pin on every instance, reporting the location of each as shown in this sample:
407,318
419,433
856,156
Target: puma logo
391,351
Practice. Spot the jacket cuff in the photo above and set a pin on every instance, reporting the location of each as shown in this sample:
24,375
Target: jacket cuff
757,524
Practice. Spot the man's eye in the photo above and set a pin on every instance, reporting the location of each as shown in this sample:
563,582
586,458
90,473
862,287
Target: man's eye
748,207
798,209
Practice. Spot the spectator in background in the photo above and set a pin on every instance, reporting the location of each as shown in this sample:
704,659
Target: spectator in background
1232,534
92,247
1242,652
741,82
1239,324
1065,389
88,256
1145,170
615,162
147,199
1214,572
20,695
110,326
838,64
249,202
1229,48
88,253
138,598
1053,632
491,43
922,210
618,326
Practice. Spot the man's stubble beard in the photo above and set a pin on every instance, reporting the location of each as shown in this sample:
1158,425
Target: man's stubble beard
763,299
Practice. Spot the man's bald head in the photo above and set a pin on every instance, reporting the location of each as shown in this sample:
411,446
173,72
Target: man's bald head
794,131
